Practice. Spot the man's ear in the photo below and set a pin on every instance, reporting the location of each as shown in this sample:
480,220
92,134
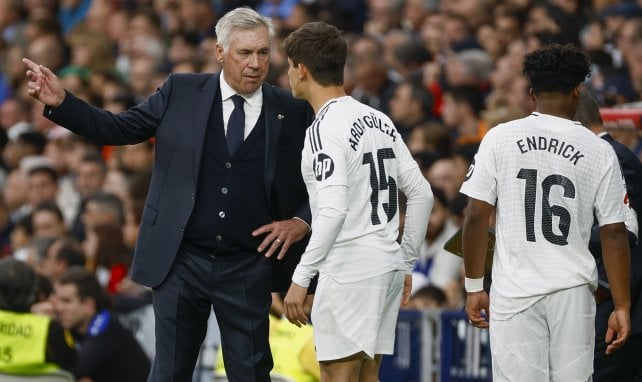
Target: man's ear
219,52
303,71
531,92
577,91
89,306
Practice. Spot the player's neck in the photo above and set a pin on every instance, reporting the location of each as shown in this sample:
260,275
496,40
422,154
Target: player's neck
319,95
563,106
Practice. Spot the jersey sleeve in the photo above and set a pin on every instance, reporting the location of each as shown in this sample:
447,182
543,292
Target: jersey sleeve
330,170
481,179
419,202
611,202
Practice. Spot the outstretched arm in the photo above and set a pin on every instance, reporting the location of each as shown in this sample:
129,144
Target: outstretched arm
43,84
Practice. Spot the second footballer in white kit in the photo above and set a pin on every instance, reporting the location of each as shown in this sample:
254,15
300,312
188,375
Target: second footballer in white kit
546,176
354,163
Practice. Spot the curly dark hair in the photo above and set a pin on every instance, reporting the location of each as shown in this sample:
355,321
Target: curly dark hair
556,68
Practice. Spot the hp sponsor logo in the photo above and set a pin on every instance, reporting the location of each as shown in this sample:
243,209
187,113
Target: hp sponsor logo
323,167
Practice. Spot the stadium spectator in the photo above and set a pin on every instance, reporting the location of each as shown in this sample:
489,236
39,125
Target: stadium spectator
107,351
41,347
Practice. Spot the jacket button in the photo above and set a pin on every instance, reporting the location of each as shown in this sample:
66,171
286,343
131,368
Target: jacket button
181,228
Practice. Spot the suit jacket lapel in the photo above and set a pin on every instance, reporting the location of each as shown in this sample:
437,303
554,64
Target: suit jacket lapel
274,117
202,104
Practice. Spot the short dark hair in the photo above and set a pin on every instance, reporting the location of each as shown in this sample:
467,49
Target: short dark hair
588,111
46,170
87,286
18,285
70,252
49,206
469,94
556,68
95,158
322,48
431,292
33,138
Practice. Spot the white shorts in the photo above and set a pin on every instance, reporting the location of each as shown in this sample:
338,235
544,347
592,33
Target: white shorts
552,340
356,317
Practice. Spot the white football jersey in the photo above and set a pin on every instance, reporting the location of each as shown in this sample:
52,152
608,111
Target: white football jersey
547,177
354,148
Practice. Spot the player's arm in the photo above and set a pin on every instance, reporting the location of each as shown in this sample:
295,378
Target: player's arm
474,243
419,202
333,209
616,257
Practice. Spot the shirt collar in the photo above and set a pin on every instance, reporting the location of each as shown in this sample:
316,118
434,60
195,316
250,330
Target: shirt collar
254,99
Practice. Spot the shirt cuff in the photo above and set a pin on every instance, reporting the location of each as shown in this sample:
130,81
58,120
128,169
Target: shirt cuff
304,222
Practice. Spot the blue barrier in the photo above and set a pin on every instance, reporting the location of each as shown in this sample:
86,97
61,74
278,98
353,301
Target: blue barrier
406,363
437,346
464,350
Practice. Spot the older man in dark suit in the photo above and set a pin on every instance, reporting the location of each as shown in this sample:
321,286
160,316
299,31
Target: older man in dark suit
226,194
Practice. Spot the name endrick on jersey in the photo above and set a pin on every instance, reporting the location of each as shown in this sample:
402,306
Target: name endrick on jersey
552,145
369,121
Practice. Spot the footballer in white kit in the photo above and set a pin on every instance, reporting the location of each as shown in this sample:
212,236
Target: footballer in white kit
354,162
542,173
546,178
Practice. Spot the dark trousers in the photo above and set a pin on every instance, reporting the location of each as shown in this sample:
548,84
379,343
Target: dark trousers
623,365
238,288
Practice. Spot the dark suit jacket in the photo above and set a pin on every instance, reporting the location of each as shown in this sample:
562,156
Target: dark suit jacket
177,116
632,172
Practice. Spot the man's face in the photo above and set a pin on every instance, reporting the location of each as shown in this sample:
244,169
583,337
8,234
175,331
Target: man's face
47,224
72,312
402,106
93,215
51,266
91,177
246,60
42,188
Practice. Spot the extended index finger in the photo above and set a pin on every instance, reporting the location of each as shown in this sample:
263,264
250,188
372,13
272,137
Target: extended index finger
31,65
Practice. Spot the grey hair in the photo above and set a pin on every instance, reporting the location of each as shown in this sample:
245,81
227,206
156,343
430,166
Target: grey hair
240,18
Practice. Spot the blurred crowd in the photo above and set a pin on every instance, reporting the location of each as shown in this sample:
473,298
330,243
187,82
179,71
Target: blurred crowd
446,71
